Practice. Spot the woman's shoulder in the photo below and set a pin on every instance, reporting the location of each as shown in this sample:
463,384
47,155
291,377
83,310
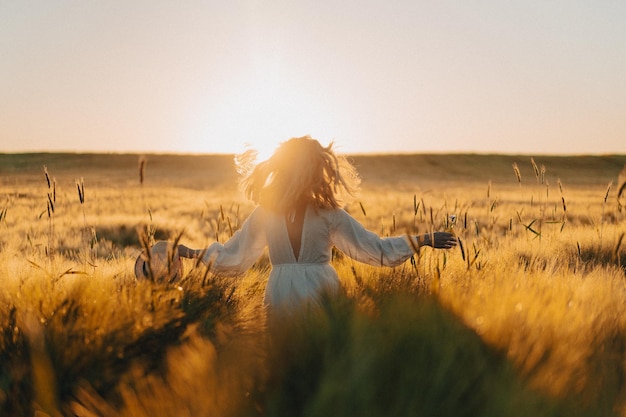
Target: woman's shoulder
324,211
258,215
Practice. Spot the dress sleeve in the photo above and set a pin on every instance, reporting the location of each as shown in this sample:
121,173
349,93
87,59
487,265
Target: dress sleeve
350,237
241,251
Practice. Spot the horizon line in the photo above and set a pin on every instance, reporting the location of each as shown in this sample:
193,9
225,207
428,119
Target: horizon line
359,154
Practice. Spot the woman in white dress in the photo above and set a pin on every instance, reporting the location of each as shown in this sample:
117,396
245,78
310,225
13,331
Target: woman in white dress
299,218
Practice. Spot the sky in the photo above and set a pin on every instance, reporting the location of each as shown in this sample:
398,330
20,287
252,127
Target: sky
387,76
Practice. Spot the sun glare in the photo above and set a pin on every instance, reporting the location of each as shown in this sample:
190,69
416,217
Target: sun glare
265,111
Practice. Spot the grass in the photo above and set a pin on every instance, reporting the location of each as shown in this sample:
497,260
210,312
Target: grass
525,320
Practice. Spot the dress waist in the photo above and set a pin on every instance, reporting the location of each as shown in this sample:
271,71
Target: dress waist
301,264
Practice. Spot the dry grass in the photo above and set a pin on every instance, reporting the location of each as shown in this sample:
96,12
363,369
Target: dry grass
528,311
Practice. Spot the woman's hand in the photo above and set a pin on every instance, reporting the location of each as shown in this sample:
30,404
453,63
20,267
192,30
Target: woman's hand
438,240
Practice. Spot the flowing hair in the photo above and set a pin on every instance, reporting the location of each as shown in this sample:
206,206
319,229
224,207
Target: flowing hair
300,171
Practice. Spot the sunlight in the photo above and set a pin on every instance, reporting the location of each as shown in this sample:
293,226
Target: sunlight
264,111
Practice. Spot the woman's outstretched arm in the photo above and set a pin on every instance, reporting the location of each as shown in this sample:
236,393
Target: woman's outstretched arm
236,255
350,237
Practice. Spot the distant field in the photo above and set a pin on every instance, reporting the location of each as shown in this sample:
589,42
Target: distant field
524,318
206,170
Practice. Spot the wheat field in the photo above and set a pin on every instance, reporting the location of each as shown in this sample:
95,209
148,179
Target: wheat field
523,318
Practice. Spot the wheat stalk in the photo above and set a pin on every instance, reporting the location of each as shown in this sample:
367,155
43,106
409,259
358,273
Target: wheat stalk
51,196
621,180
80,185
89,234
142,169
3,214
535,168
606,197
518,174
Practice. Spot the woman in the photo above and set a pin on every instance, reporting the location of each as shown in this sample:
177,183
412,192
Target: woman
299,217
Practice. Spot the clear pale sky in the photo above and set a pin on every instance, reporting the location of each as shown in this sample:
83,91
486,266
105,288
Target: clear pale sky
534,76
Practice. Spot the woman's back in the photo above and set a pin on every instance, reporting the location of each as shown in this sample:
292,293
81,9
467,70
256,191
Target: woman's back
309,242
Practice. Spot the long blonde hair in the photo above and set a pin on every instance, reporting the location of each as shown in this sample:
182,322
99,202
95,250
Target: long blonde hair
300,171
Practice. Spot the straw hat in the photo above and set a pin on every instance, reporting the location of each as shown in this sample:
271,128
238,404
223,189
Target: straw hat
164,261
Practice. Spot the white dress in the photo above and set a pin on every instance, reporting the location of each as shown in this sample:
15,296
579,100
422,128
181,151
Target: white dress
292,281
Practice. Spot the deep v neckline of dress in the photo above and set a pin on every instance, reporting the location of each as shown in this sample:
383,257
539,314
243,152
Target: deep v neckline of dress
295,232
